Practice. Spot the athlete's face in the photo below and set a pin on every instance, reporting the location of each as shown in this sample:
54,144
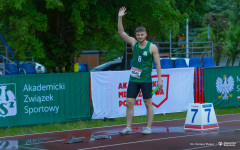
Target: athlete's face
141,36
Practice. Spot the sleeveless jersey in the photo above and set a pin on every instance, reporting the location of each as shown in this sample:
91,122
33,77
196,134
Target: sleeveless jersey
142,62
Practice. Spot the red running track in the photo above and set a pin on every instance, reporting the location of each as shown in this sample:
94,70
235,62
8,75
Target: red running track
166,135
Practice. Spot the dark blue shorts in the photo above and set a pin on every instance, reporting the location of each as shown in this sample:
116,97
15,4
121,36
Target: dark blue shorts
134,88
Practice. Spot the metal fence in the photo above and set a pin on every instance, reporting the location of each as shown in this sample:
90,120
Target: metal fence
177,50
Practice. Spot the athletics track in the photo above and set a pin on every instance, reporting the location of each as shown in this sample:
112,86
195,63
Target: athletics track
166,135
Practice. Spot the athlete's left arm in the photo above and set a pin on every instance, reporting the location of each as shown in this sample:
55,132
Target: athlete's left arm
156,58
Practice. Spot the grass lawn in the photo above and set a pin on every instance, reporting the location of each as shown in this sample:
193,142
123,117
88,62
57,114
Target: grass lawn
99,123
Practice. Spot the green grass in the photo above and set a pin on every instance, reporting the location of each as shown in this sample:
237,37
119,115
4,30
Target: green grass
99,123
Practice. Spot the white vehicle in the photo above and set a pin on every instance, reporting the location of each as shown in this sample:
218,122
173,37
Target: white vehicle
39,68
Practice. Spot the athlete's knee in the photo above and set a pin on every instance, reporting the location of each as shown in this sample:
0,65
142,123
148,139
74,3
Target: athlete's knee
148,102
130,103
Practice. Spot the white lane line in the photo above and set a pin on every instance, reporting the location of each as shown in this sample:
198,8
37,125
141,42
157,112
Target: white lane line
229,121
229,114
138,142
174,137
41,142
103,127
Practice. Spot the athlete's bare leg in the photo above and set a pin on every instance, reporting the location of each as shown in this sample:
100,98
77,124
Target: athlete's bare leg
130,111
150,112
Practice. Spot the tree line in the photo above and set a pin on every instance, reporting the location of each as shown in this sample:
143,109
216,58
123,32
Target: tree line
56,31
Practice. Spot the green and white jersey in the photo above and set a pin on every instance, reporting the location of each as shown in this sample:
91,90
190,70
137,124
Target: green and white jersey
141,64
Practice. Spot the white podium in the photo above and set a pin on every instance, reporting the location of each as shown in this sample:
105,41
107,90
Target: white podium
201,117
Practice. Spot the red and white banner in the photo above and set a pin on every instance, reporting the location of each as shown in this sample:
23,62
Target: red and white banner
109,93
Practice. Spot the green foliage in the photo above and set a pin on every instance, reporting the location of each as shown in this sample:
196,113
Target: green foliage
20,20
232,49
195,9
54,4
159,17
217,18
56,31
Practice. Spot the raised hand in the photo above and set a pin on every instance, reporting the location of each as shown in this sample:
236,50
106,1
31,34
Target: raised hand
122,12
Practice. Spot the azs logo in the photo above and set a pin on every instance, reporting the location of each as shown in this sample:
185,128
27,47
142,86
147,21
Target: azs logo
8,105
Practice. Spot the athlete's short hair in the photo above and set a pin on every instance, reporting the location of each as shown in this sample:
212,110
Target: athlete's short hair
141,29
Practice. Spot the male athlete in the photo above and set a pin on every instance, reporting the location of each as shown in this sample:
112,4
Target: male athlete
140,75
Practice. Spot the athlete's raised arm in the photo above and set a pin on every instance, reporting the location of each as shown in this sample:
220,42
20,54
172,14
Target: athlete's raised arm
122,33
